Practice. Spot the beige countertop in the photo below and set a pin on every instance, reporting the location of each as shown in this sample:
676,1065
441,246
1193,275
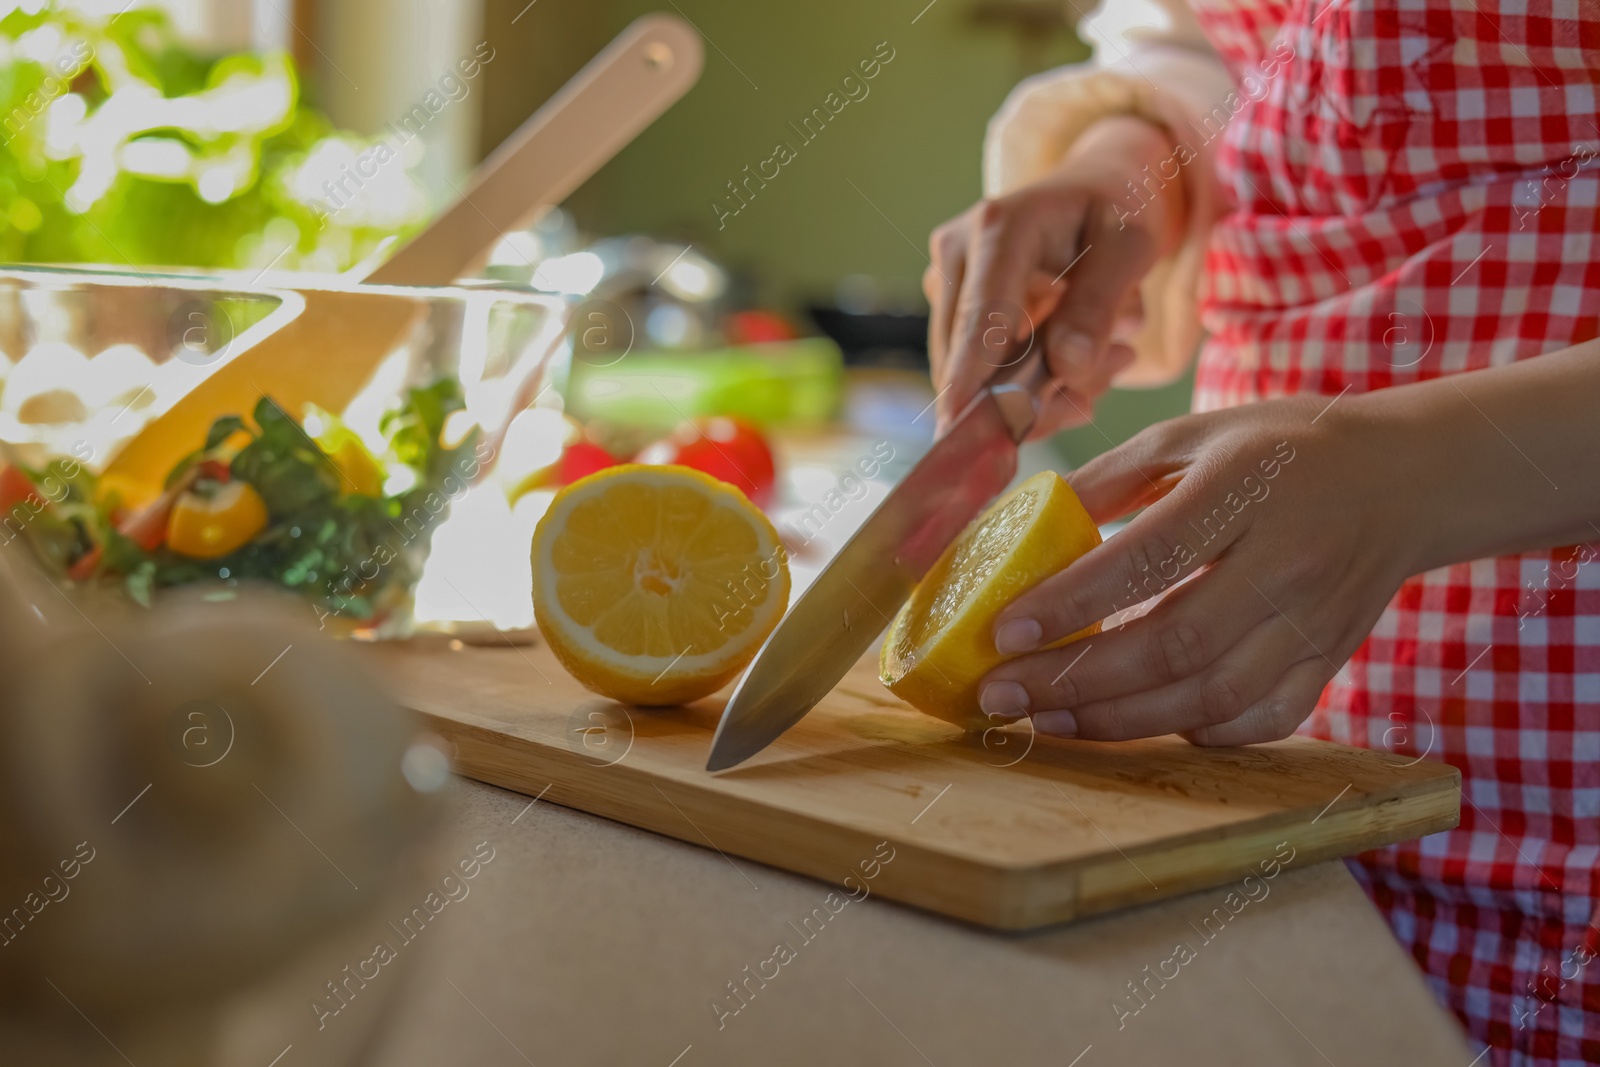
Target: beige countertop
584,941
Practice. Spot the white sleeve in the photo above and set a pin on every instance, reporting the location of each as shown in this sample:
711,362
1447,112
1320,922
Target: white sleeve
1152,60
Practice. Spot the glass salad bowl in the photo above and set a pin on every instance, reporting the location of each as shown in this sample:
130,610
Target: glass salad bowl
343,507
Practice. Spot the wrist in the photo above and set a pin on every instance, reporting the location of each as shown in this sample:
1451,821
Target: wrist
1489,462
1407,448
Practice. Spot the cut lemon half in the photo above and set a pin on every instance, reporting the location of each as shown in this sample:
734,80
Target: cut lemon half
942,642
656,585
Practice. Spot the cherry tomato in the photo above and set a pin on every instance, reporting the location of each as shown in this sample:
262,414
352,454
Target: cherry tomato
214,469
84,567
581,459
211,526
147,527
359,474
15,487
730,450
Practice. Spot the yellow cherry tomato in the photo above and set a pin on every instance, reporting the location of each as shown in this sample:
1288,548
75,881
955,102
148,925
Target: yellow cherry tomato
359,472
209,527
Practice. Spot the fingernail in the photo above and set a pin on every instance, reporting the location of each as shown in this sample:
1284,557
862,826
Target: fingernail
1004,700
1077,349
1018,635
1056,723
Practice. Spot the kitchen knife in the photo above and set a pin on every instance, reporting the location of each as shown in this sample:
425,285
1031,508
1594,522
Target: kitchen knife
859,591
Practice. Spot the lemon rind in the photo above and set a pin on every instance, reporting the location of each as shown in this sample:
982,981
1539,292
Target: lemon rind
657,670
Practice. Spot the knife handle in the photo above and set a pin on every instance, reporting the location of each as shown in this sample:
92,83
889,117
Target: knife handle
1018,390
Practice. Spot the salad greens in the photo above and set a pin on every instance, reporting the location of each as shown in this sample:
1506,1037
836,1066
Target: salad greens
353,555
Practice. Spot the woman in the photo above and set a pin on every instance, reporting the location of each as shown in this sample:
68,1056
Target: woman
1378,213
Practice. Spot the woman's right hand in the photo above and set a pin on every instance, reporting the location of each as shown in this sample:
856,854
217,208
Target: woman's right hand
1055,264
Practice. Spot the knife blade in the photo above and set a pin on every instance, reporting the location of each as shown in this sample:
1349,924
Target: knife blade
859,591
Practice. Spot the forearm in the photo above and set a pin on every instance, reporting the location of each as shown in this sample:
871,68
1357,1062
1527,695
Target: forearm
1495,461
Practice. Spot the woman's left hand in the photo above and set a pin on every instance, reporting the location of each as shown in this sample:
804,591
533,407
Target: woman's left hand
1297,523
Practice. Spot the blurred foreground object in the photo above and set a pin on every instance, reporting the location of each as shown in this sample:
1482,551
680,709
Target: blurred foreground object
190,799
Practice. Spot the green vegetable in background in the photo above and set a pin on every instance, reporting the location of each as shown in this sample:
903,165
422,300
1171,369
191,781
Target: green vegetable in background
119,144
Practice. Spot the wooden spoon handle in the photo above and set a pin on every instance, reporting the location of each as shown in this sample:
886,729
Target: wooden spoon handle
649,66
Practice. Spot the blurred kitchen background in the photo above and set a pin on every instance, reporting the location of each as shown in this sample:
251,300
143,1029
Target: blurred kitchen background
229,133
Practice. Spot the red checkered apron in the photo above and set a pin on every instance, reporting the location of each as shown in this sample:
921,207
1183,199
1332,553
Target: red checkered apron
1411,193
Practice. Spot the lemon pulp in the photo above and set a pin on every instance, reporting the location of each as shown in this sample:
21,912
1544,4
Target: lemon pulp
656,585
941,643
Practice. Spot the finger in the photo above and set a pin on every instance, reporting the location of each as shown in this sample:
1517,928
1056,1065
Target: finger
1169,541
1060,409
1214,696
1195,626
1135,473
941,283
1278,714
1091,377
939,305
1065,405
1011,238
1096,292
1130,317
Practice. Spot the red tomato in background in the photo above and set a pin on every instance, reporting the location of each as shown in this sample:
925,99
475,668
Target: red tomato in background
581,459
730,450
757,327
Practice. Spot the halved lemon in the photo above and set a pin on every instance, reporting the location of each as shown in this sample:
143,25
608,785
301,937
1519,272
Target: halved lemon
942,641
656,585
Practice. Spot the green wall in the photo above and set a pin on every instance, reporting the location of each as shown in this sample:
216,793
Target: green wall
911,146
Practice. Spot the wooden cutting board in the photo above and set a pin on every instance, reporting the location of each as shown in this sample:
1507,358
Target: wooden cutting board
1006,830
